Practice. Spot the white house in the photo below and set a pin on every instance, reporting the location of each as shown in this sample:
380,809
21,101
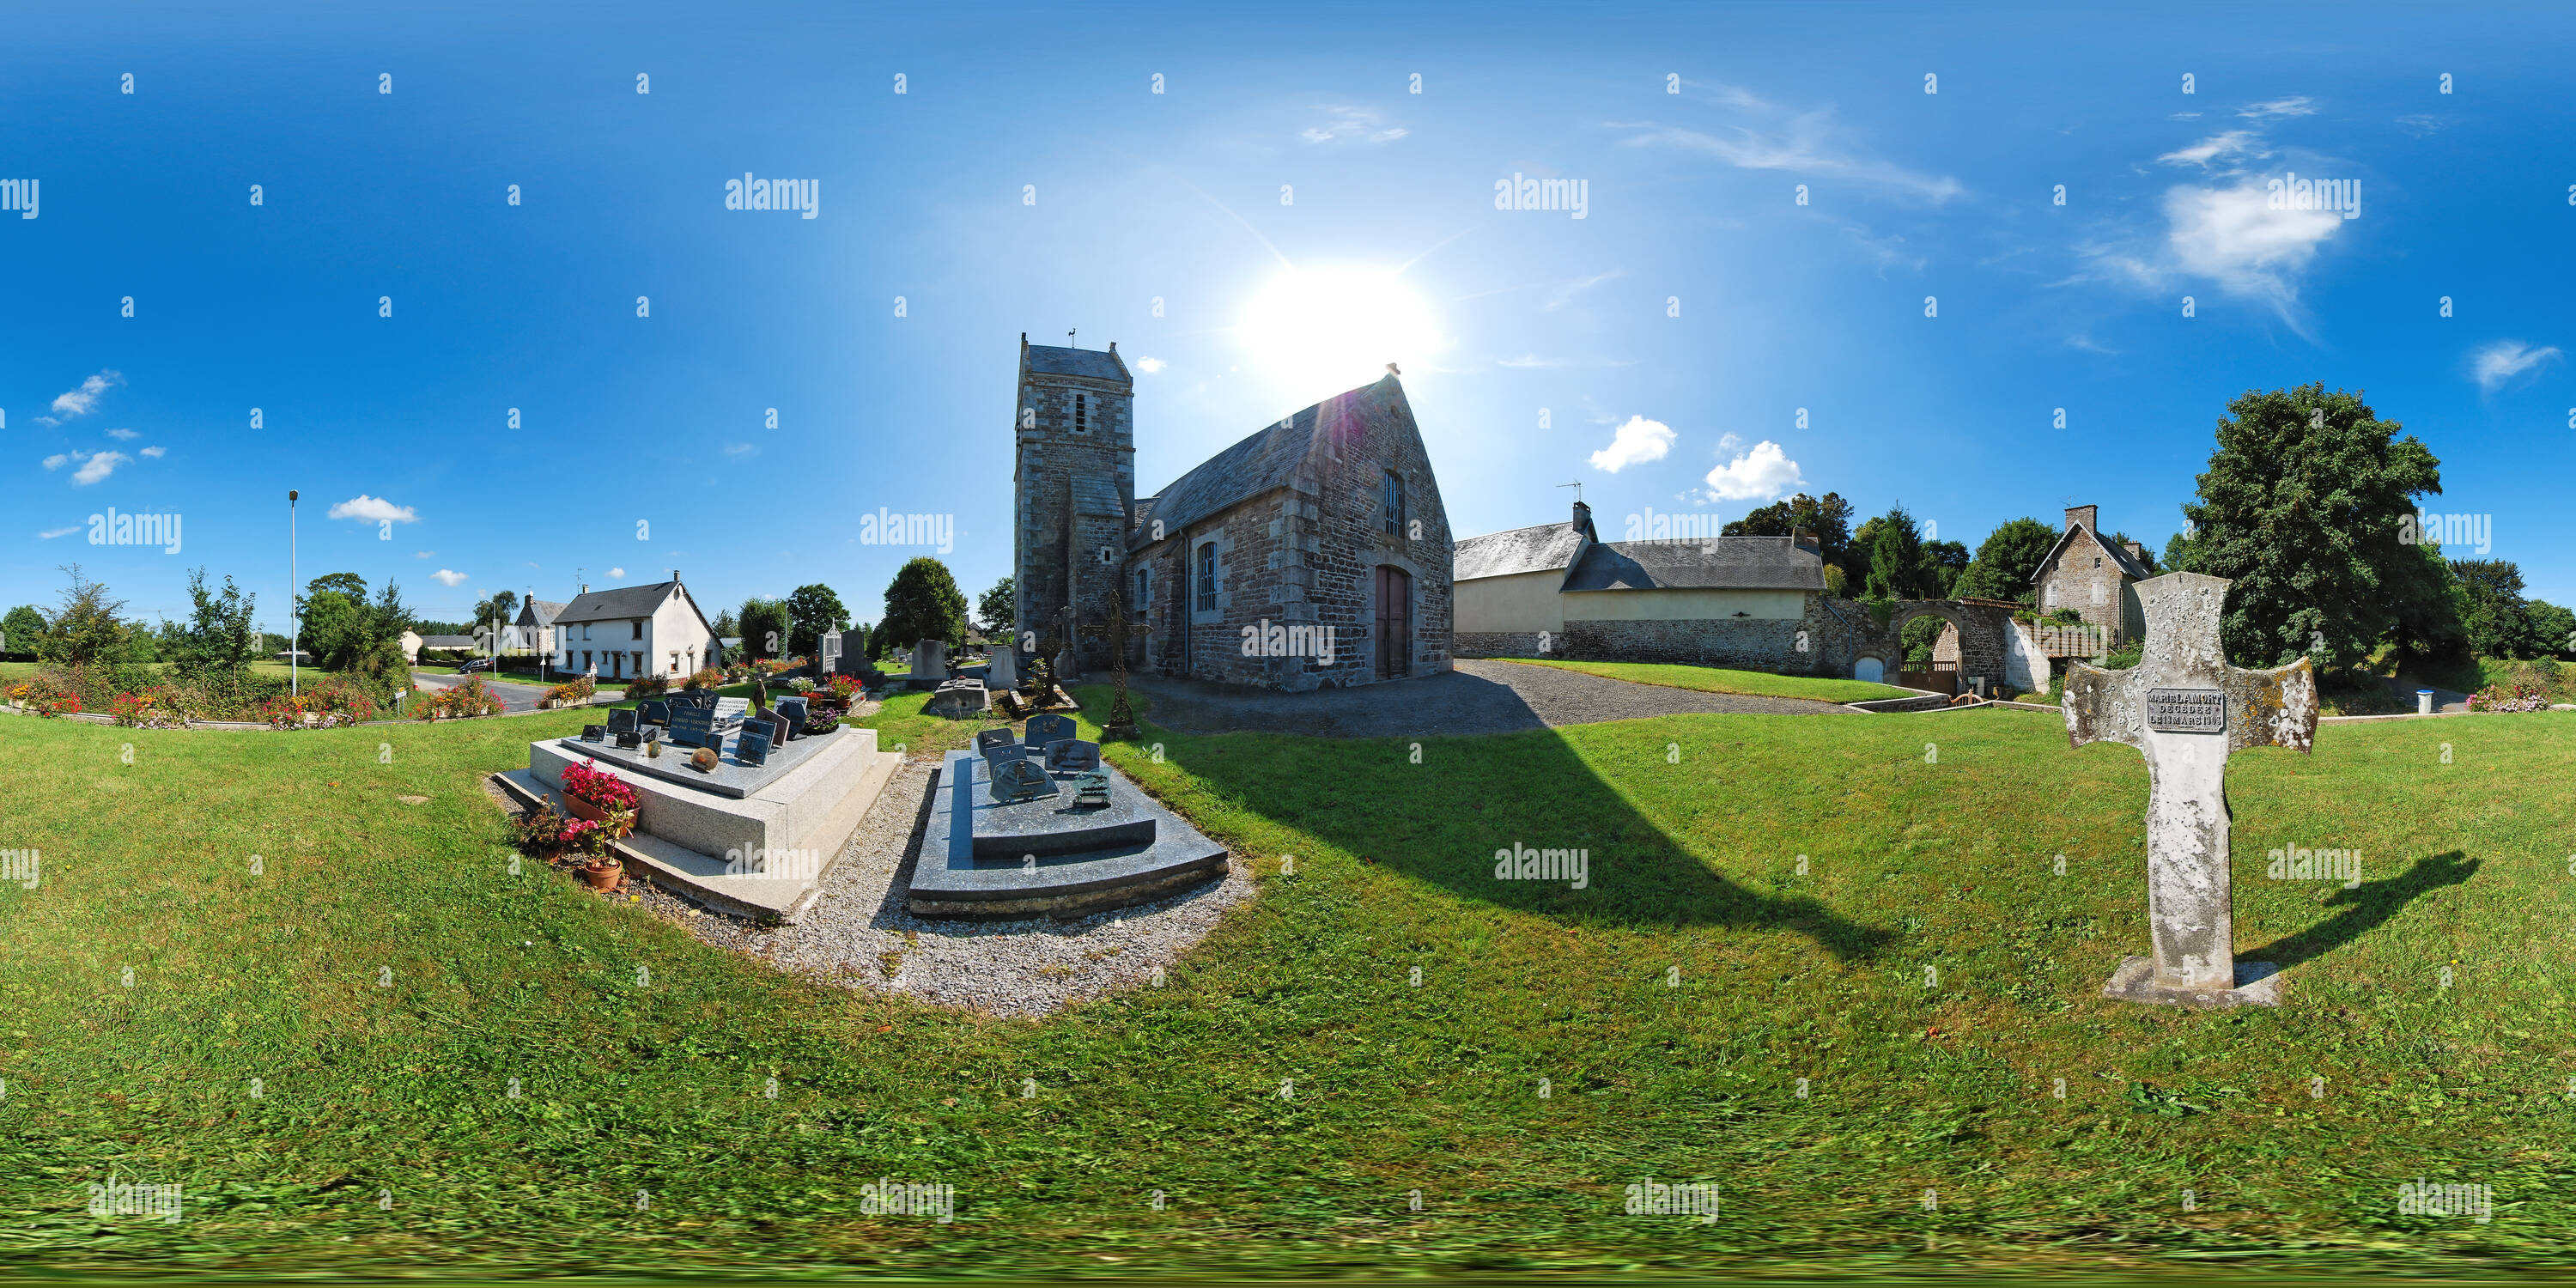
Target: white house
634,631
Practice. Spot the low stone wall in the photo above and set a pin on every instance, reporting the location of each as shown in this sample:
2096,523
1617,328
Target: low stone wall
1499,644
1752,644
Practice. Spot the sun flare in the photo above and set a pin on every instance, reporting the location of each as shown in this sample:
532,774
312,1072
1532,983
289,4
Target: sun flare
1319,331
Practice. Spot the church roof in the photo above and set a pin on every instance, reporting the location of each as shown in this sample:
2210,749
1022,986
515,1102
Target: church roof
1544,548
1269,458
1710,563
1047,359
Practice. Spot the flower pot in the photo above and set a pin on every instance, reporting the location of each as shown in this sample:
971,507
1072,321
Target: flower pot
580,808
603,874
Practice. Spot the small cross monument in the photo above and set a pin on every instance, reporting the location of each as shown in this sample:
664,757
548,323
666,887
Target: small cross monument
2185,708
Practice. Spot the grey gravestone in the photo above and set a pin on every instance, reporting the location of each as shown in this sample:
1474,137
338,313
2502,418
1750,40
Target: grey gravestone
1019,780
622,720
829,648
793,710
655,713
1007,751
752,748
987,739
1003,671
929,662
729,711
694,724
1048,728
593,733
1072,756
2184,708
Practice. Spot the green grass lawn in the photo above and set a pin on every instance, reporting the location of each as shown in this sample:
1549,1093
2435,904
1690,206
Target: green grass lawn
1713,679
385,976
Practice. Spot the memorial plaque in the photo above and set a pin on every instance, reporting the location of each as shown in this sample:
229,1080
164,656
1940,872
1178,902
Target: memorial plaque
1015,781
794,711
1047,729
593,733
629,739
752,747
1090,788
986,740
622,721
694,725
995,756
656,713
1072,756
2187,710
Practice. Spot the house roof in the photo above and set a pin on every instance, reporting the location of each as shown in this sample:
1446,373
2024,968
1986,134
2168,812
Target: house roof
1544,548
448,641
1047,359
543,612
1271,457
622,602
1711,563
2120,559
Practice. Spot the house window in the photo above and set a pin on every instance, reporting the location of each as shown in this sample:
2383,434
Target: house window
1081,414
1207,578
1391,504
639,630
675,664
1144,588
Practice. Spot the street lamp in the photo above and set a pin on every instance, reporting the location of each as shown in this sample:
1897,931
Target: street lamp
295,617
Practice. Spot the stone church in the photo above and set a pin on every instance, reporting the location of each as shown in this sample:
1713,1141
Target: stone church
1313,552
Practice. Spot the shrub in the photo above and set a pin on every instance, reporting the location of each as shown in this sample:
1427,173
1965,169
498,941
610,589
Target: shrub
579,690
538,831
704,680
650,686
587,782
585,836
45,694
464,701
2518,697
150,709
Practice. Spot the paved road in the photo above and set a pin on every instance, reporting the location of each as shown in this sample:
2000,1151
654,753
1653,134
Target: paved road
514,697
1480,696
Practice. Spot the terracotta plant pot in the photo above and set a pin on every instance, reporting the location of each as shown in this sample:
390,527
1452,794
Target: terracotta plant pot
580,808
603,874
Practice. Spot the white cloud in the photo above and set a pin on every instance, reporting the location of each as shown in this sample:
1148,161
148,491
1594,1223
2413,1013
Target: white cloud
123,435
1728,442
82,401
2232,236
1150,365
2296,105
1564,294
422,554
1763,474
1638,441
2495,365
1807,143
448,577
616,572
52,533
56,461
155,453
2229,145
97,466
1365,124
739,449
373,509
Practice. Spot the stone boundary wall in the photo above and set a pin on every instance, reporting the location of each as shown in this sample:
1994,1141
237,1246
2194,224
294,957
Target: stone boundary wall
1752,644
1502,644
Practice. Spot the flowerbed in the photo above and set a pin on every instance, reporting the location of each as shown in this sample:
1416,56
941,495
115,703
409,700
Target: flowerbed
44,695
2515,697
566,694
464,701
330,703
588,783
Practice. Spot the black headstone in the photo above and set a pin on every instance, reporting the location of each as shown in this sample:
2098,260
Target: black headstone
794,711
622,721
693,725
752,746
656,713
1049,728
987,740
593,733
629,739
1020,780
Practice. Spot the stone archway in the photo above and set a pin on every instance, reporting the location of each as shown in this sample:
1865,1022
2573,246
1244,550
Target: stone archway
1982,647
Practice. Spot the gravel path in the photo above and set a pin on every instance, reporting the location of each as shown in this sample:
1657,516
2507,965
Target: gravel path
858,934
1480,696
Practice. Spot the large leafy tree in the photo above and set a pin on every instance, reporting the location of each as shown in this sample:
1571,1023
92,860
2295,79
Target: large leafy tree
999,609
2006,561
2492,609
21,628
2553,629
218,641
812,611
923,603
88,628
763,624
2301,506
1944,562
1898,568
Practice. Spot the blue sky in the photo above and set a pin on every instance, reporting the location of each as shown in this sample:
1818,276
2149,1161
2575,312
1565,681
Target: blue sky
1029,179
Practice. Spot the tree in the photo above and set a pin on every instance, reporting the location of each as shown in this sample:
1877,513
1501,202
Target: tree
2178,554
763,626
923,603
1944,562
999,609
725,626
1829,519
218,642
21,628
499,611
2301,506
2492,610
1897,569
2006,562
2146,553
812,611
347,583
87,629
2553,629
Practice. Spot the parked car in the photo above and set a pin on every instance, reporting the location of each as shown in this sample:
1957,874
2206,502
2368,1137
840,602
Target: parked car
473,664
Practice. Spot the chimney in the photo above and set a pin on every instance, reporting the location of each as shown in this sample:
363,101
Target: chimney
1805,540
2136,551
1113,346
585,588
2081,514
1583,520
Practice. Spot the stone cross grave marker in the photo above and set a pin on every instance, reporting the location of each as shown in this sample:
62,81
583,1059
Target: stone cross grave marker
2184,708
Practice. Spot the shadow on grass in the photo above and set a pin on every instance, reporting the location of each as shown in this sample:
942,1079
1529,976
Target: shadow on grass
1443,817
2370,904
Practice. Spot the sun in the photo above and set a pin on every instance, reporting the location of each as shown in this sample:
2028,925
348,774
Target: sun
1319,331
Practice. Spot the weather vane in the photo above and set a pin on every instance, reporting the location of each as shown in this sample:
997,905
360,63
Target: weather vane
1068,337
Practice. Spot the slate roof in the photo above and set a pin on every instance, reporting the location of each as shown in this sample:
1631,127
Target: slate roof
1269,458
2120,559
1544,548
612,605
1712,563
1047,359
542,610
448,641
